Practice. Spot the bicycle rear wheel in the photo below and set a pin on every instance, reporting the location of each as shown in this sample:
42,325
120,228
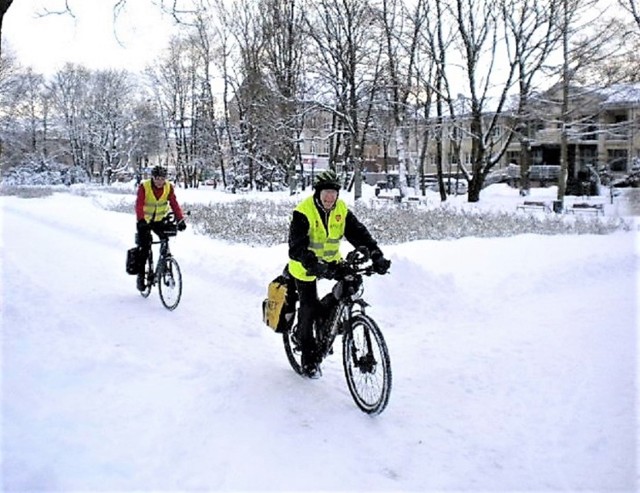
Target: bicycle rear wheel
170,284
367,366
292,348
148,277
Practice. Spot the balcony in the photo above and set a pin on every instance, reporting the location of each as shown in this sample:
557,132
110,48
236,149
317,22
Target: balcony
548,135
619,134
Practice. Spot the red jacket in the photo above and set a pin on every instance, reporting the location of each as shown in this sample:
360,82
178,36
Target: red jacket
173,202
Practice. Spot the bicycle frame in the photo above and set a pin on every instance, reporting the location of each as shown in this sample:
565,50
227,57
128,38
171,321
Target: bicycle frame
163,255
340,316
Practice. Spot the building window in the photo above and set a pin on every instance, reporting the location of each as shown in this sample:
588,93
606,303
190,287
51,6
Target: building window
513,156
617,159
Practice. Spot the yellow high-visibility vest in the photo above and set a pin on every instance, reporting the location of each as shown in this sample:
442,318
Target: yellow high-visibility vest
155,209
326,245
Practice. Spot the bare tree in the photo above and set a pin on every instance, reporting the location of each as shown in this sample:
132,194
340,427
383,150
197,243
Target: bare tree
402,34
109,114
533,33
579,46
632,7
345,66
69,98
175,88
145,139
283,65
222,58
8,68
96,113
616,59
480,33
209,134
251,95
439,38
24,119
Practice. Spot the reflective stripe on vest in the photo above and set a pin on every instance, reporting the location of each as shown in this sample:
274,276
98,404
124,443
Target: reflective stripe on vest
155,209
325,246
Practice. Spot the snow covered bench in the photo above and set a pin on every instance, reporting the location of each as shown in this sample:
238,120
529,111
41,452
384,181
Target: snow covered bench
416,199
584,207
390,198
534,205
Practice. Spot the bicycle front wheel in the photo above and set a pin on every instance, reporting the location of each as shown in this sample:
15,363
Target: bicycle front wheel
367,366
170,284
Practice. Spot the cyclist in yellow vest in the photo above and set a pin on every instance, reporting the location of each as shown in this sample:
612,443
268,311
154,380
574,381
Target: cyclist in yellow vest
317,227
155,197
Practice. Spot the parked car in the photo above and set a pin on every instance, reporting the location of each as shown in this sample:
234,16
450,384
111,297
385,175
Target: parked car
497,176
451,186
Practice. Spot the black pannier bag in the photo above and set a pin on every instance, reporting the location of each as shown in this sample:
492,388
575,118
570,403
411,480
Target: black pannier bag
134,260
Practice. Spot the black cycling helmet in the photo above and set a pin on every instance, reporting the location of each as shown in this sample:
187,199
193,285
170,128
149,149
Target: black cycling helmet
159,171
327,180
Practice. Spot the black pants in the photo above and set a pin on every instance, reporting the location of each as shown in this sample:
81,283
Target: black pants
308,298
144,239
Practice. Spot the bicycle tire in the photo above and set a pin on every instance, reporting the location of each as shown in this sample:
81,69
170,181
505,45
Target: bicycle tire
367,366
170,284
148,277
292,349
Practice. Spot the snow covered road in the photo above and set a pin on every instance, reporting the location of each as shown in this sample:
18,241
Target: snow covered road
514,360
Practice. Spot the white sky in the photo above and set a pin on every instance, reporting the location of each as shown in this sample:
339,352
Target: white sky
46,43
514,363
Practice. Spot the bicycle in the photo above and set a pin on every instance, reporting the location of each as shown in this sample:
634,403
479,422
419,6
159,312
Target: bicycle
167,273
365,357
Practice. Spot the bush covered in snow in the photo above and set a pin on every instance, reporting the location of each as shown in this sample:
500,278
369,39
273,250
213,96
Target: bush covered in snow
267,223
44,173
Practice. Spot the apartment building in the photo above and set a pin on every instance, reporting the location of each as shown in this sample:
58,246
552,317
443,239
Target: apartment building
603,132
602,129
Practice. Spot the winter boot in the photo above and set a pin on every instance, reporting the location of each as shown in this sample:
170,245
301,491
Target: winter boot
140,282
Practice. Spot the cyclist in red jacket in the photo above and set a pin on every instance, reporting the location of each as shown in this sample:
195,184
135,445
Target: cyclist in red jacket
155,197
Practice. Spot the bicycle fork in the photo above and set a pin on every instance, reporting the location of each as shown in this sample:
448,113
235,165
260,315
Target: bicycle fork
364,359
164,256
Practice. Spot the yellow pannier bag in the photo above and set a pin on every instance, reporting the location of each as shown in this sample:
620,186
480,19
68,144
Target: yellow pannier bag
274,307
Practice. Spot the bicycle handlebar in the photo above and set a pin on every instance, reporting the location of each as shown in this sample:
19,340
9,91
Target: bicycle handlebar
358,262
170,218
171,225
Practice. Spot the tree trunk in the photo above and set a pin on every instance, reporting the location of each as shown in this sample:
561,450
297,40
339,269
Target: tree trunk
4,6
564,165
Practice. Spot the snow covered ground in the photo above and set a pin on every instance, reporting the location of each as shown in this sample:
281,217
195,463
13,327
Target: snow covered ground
514,362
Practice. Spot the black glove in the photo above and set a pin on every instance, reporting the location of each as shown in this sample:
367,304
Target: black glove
318,269
142,225
380,264
182,225
337,270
